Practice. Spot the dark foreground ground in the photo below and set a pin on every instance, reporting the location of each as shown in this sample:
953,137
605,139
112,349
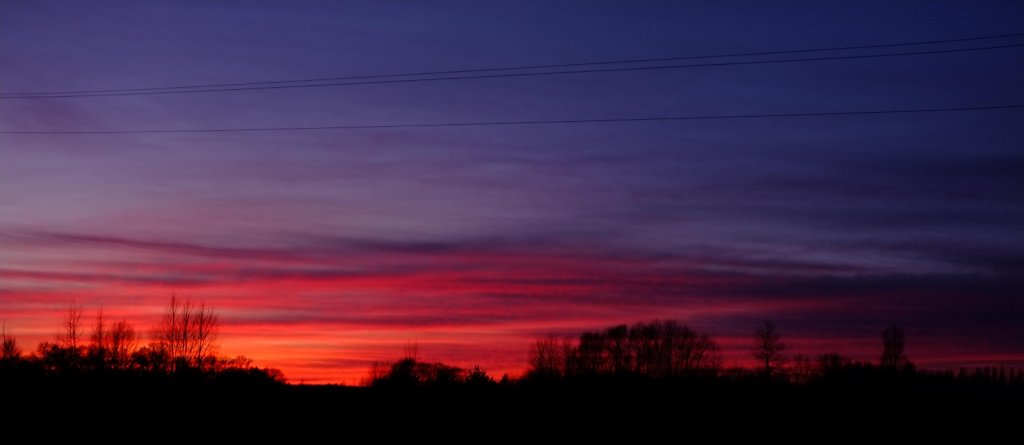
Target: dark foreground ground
536,412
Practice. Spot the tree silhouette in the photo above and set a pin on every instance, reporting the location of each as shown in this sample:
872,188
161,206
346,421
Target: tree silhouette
658,349
478,377
546,358
9,349
411,351
617,346
98,351
121,343
893,357
188,333
409,372
153,359
768,347
111,354
71,328
111,347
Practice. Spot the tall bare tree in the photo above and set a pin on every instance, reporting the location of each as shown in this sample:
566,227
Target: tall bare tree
204,335
893,356
768,347
98,351
546,358
9,349
121,343
690,351
71,328
98,336
188,333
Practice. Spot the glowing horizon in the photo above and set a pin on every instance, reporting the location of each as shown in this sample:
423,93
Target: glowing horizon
464,305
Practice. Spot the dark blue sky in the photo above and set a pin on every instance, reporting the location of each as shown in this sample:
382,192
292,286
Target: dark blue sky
834,226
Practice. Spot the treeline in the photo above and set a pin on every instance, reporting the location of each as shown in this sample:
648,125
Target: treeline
183,347
665,350
411,372
670,352
655,350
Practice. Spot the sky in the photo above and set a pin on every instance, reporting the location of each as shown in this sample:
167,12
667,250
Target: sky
324,251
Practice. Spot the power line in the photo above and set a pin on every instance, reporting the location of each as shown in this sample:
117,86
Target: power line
535,122
389,78
527,67
528,74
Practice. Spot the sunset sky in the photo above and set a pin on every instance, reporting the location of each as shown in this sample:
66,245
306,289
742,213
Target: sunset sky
324,250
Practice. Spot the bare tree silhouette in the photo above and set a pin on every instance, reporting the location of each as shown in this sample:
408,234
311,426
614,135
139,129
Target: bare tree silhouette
893,357
112,346
617,349
121,343
9,349
188,333
98,337
205,334
71,328
547,358
768,347
98,350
